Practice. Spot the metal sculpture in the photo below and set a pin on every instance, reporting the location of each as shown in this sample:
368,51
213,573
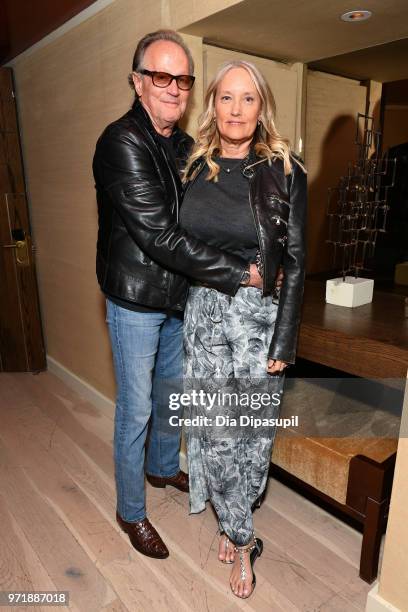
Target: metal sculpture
357,208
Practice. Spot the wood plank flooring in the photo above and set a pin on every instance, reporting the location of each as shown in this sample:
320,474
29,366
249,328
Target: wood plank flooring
58,532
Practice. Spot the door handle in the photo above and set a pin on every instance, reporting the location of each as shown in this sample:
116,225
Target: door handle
20,244
22,251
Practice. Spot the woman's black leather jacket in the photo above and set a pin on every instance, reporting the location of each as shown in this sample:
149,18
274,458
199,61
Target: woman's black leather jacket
278,203
142,254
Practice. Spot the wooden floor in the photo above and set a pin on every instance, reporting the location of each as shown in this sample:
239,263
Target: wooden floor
57,527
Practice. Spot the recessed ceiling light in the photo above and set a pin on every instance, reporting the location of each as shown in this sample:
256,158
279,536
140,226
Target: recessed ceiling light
356,15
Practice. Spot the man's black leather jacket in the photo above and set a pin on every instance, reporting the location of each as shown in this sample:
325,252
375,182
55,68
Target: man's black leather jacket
278,203
142,254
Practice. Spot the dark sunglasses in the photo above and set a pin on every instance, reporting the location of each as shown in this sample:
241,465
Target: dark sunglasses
163,79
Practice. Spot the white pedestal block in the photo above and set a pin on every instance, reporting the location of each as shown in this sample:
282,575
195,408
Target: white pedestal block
351,292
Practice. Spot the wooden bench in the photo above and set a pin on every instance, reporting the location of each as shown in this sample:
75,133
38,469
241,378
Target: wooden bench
342,454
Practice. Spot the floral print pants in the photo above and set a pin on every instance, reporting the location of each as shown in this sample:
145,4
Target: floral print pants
226,342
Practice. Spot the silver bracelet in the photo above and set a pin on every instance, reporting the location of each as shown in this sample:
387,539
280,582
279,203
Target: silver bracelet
259,263
246,276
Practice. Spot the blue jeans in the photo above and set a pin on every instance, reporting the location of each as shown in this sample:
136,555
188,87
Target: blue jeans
148,355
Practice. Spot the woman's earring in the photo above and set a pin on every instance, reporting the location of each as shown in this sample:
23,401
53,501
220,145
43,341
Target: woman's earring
259,122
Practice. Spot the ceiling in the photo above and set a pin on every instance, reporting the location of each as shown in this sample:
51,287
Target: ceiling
311,31
25,22
382,63
294,30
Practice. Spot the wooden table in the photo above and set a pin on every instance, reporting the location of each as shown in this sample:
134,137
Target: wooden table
369,341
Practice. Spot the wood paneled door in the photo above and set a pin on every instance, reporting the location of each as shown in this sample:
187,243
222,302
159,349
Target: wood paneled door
21,338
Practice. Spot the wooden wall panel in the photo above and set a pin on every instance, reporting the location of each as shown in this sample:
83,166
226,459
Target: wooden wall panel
195,104
67,92
331,108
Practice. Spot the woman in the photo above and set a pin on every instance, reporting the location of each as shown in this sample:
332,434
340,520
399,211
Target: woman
245,193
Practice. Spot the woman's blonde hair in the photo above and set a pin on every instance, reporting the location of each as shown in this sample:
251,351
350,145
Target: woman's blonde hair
268,143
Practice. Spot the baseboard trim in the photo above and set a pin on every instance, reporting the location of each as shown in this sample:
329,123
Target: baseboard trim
91,394
376,603
81,387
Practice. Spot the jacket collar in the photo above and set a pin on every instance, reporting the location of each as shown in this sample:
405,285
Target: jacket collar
142,116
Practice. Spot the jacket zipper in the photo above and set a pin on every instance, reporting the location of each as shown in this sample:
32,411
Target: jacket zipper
258,234
177,197
275,197
170,277
276,217
279,219
174,182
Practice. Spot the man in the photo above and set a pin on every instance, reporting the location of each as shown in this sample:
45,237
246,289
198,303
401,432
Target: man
143,259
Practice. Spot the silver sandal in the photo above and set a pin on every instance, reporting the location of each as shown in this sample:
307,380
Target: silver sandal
255,550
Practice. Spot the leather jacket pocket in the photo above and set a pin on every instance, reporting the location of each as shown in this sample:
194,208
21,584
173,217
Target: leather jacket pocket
280,226
279,202
278,210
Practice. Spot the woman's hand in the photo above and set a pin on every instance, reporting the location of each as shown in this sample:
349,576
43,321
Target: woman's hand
279,278
275,365
255,279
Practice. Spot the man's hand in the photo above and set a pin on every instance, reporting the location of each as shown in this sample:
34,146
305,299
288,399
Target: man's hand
279,278
255,279
275,365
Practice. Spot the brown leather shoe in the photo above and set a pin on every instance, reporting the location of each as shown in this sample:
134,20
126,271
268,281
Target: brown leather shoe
144,538
180,481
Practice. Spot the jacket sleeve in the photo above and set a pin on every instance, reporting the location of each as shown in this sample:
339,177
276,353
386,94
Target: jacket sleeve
284,340
125,167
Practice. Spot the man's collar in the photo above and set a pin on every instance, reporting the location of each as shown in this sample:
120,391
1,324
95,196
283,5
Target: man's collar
179,137
140,110
142,114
